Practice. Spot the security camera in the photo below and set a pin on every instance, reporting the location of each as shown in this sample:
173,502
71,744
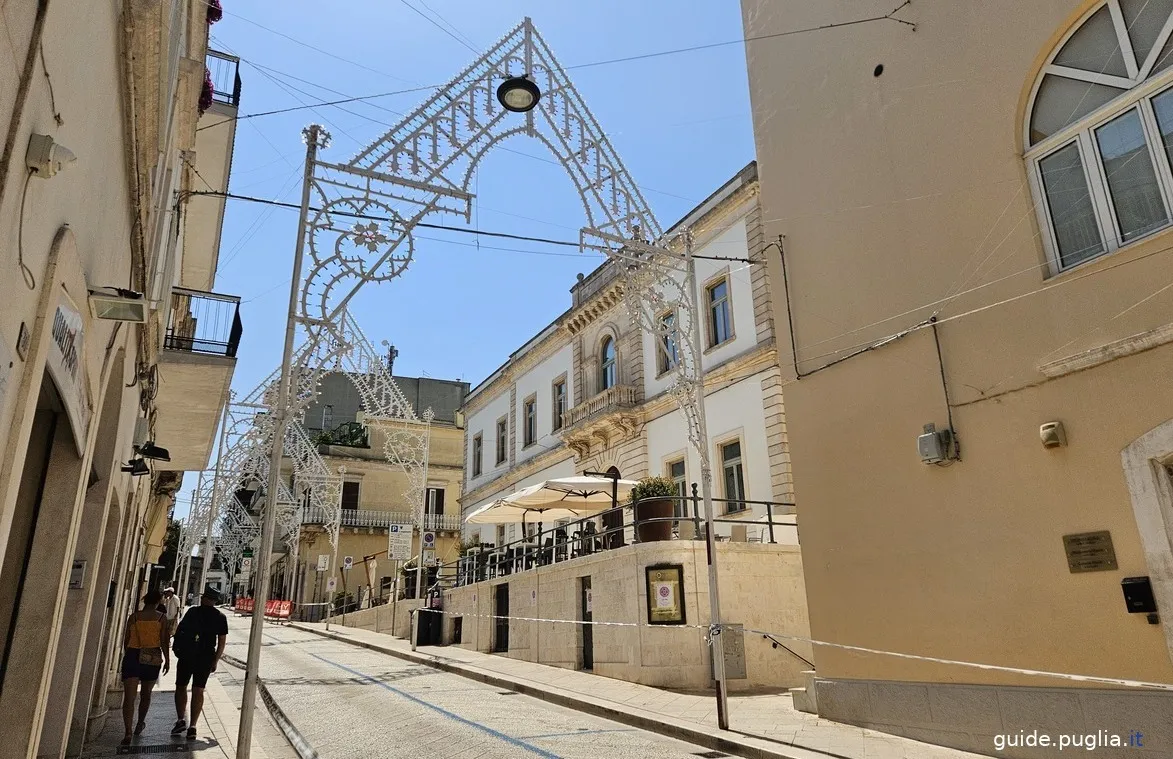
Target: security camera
45,158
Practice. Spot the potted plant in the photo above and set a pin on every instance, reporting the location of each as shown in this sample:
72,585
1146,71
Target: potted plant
653,499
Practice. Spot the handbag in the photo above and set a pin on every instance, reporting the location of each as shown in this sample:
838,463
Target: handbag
148,657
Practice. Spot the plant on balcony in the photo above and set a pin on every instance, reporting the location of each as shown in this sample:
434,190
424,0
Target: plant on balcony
215,11
653,499
206,92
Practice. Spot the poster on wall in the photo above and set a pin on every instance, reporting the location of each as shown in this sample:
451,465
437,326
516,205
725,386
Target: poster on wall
66,363
665,594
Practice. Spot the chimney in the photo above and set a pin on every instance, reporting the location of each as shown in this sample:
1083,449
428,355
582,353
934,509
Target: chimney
392,354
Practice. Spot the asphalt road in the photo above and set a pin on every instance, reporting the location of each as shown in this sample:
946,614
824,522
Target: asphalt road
352,703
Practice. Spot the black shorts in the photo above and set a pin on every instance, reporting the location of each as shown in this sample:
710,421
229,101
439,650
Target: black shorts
195,670
133,669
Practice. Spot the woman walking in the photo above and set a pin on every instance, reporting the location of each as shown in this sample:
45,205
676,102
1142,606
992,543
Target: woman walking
145,651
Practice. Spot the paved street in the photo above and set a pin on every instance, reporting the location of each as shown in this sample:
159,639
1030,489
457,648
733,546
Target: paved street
351,702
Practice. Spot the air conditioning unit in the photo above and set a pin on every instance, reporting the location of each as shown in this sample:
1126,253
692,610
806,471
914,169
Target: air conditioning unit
119,305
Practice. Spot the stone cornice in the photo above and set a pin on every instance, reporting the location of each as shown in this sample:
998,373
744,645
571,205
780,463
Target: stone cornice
517,473
1102,354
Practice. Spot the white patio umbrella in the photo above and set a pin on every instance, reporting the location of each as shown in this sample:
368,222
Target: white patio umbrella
562,498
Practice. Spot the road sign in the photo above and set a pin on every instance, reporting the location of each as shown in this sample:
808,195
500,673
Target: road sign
429,540
246,565
323,562
399,542
331,584
429,557
247,553
347,562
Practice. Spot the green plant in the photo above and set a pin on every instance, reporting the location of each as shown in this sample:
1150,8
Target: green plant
653,487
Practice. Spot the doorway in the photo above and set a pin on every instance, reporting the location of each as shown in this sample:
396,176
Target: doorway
17,555
588,629
501,618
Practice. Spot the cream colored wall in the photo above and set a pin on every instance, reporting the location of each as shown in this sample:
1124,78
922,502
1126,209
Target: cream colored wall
761,587
893,192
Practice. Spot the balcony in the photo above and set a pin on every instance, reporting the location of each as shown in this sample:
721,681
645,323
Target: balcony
195,371
376,518
215,140
225,72
609,401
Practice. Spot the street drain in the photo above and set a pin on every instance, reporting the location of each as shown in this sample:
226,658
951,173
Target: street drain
508,693
710,754
159,748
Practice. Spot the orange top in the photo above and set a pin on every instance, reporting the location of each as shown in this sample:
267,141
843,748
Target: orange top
146,633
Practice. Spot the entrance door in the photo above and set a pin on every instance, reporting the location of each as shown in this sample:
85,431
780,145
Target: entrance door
501,623
588,630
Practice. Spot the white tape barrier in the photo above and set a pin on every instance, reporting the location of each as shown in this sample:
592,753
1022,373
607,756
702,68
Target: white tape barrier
711,630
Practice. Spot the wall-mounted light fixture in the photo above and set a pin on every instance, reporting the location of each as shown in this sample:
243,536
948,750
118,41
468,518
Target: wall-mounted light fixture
136,468
118,304
151,451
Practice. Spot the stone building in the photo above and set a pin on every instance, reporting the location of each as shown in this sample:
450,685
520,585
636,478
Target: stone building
109,335
977,222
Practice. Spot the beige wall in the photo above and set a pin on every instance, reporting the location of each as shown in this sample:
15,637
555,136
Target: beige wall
761,588
892,193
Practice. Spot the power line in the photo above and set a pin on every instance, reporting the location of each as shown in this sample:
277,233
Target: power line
425,225
436,24
592,64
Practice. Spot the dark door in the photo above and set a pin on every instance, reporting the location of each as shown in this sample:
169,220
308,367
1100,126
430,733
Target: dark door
501,623
588,630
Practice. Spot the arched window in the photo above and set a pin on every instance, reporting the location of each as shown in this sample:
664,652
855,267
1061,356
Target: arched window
607,368
1099,131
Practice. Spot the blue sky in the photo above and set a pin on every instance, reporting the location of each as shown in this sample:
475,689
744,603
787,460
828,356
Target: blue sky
680,122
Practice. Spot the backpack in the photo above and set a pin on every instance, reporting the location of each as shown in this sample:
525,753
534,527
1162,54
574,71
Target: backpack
186,641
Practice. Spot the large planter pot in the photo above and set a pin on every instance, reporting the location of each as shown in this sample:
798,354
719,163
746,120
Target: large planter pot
650,532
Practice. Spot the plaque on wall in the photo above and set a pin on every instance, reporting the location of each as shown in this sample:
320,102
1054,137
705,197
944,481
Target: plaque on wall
665,594
1090,551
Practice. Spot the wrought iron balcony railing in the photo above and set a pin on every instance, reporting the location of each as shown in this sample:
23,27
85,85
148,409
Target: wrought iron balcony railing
349,434
384,519
610,400
225,71
205,323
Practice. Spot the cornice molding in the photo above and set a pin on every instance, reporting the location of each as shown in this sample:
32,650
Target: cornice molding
1102,354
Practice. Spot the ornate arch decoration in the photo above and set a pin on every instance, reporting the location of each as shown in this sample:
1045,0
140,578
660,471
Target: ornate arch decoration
1098,132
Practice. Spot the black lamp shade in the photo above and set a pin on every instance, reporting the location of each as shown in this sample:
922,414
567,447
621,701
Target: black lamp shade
136,468
518,94
149,450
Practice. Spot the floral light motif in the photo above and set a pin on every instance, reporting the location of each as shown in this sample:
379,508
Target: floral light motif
369,236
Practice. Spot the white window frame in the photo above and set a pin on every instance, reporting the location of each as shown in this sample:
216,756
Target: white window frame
603,362
501,449
681,484
1082,132
561,405
478,454
731,508
666,361
529,424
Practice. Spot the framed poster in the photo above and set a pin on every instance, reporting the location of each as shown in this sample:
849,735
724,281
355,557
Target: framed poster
665,594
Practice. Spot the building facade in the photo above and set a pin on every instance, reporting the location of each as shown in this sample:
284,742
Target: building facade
589,393
975,218
373,496
109,338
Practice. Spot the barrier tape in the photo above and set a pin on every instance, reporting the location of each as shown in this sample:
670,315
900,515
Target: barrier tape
711,631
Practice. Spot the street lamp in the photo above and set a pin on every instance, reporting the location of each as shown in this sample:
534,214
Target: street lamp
518,94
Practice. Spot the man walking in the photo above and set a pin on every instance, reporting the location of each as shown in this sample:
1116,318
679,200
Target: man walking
171,609
199,644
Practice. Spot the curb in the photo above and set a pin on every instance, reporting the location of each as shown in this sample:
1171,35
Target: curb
748,747
296,740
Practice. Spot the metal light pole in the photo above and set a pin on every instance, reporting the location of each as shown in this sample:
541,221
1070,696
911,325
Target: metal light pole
206,564
717,647
313,134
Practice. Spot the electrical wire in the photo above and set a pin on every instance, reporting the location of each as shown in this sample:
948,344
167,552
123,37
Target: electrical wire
25,271
425,225
592,64
436,24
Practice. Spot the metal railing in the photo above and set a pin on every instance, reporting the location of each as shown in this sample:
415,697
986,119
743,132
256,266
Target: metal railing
348,434
201,322
611,399
593,535
225,73
379,518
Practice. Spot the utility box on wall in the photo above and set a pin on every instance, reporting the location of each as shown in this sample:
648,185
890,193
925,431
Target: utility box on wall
733,641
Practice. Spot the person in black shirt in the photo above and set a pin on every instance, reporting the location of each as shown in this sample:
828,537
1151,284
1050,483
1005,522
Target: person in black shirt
199,644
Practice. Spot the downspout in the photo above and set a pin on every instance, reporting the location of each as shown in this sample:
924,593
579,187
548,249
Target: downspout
22,92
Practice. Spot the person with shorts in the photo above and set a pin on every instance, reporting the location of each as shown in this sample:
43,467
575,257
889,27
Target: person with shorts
199,644
145,648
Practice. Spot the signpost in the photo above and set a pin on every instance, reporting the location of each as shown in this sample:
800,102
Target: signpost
323,562
399,545
347,563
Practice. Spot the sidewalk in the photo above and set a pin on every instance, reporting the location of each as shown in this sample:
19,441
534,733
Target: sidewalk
217,727
761,725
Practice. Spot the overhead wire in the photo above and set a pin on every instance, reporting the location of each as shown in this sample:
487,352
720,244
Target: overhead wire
425,225
436,24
